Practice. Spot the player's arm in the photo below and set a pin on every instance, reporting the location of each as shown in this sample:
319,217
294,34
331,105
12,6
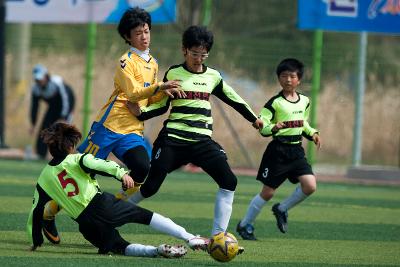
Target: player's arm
34,224
155,109
65,101
125,78
34,108
266,115
224,92
308,131
93,166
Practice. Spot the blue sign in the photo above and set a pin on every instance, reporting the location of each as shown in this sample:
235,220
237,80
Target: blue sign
350,15
161,11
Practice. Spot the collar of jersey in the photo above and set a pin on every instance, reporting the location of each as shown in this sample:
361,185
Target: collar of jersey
187,69
145,55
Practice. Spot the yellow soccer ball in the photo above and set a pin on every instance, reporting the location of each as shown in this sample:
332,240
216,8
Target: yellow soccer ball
223,247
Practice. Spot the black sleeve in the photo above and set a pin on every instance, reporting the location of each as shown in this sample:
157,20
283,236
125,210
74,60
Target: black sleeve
238,106
37,216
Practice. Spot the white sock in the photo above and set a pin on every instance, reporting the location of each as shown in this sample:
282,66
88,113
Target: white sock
139,250
253,210
295,198
167,226
136,198
222,210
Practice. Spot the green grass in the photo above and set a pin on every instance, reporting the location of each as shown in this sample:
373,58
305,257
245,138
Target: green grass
341,225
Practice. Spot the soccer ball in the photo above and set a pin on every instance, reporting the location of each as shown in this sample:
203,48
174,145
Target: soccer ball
223,247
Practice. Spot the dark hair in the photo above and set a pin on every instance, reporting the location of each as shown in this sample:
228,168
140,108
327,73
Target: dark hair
132,18
197,36
61,137
290,64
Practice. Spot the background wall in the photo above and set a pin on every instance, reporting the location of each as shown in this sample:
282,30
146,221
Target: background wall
251,37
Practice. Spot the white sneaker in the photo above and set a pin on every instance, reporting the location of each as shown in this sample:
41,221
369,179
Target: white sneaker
168,251
198,243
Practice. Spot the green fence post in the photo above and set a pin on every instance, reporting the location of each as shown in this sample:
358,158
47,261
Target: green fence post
89,76
316,78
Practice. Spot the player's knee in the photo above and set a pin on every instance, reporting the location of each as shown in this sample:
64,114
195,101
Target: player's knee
267,193
138,163
139,171
229,184
309,189
148,190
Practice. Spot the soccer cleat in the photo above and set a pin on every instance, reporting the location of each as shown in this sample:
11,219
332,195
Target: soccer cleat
198,243
246,232
168,251
50,231
124,193
240,250
281,218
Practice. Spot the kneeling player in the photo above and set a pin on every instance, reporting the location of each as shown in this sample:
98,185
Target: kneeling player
68,179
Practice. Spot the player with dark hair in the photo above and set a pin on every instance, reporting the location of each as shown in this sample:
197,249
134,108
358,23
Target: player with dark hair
69,180
60,100
115,129
186,135
285,119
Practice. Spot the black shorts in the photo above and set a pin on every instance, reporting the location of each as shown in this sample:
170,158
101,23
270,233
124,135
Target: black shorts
169,154
282,161
104,213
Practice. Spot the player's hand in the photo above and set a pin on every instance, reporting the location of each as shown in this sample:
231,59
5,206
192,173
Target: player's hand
173,89
258,124
317,140
127,182
279,125
133,108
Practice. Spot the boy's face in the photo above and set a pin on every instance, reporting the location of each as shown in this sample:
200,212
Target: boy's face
195,57
140,37
289,80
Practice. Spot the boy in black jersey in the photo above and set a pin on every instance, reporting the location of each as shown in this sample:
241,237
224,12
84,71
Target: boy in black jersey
186,135
285,119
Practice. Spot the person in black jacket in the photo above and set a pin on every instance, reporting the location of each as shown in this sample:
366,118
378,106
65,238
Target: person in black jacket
59,98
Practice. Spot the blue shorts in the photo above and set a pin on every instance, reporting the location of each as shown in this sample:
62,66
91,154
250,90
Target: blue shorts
101,142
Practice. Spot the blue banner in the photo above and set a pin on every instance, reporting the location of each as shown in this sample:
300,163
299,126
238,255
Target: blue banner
161,11
381,16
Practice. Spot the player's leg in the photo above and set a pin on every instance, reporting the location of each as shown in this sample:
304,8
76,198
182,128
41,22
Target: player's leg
267,175
301,172
165,159
118,213
138,162
308,185
107,239
212,159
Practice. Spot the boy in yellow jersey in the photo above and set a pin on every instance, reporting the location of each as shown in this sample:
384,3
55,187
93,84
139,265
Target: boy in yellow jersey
115,129
69,180
285,119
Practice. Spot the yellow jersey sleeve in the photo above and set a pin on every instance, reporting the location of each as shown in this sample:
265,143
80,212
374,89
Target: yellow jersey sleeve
127,79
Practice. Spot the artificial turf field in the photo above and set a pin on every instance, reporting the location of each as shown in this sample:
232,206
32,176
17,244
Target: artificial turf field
340,225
